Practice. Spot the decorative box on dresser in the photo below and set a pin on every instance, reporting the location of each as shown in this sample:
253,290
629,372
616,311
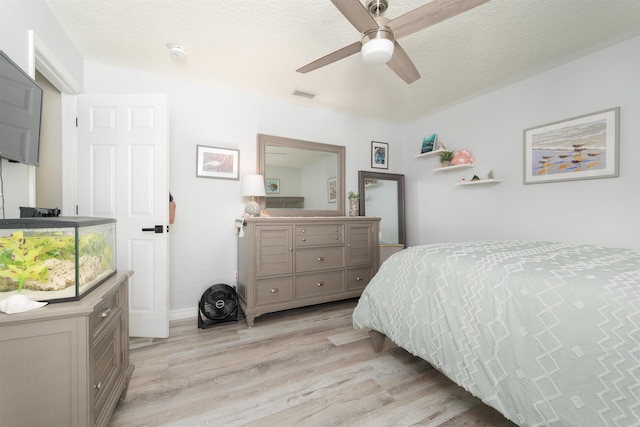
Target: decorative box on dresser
285,263
66,364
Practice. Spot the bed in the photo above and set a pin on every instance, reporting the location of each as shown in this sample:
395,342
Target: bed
547,333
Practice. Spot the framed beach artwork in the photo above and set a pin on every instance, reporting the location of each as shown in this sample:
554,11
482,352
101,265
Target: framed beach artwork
429,143
584,147
215,162
379,155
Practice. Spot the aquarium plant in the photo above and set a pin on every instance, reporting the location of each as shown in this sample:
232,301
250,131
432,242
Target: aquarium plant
22,257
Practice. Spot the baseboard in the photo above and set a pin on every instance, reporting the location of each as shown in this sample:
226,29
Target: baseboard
183,313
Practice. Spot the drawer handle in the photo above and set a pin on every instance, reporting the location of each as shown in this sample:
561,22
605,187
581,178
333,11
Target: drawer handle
337,237
320,284
98,386
348,245
358,279
320,258
274,290
105,313
304,230
336,230
304,239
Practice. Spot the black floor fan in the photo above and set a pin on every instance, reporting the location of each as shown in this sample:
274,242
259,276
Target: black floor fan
219,304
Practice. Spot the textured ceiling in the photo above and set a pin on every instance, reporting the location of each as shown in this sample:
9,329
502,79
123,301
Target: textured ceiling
257,45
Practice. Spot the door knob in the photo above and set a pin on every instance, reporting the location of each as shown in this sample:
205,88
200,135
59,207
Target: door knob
158,229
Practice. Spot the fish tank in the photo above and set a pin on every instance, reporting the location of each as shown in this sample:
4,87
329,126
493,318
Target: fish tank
56,259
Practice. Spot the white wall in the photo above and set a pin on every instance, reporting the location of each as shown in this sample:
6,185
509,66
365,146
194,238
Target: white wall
598,211
24,27
203,244
203,248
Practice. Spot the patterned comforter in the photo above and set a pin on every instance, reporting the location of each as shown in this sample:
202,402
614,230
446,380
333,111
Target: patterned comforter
546,333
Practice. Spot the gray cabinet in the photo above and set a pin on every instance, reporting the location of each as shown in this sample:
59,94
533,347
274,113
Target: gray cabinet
293,262
66,364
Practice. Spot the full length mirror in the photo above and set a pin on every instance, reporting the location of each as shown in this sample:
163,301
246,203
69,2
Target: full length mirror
302,178
382,195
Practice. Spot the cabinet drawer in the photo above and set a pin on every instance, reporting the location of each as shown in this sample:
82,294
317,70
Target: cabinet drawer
319,258
325,234
104,312
358,278
310,285
107,365
269,291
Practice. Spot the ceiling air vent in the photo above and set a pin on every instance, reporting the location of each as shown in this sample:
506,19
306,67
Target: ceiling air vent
304,94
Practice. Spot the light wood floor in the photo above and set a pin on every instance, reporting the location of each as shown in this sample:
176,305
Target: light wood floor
303,367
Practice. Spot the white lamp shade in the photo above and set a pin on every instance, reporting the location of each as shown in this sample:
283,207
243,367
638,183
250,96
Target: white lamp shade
377,51
253,186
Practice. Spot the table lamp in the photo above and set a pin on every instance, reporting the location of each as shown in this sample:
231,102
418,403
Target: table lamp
253,186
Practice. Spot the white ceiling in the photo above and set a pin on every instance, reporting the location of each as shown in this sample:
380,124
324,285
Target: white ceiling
257,45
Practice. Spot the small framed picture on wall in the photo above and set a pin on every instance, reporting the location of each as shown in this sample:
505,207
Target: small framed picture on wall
216,162
379,155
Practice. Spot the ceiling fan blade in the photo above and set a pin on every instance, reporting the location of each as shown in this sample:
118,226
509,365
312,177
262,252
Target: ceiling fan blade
332,57
402,65
430,14
357,14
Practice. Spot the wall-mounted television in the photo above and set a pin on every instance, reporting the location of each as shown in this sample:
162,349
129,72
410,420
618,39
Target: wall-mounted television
20,114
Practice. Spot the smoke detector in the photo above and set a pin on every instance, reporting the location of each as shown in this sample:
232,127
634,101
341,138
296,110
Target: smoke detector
176,51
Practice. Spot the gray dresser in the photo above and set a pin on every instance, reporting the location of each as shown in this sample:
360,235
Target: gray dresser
66,364
294,262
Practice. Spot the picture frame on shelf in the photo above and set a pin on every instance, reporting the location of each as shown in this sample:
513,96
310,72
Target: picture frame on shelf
272,185
429,143
379,155
583,147
217,162
332,190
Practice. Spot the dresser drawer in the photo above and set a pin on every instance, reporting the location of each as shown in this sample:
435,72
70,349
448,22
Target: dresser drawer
358,278
104,312
321,234
107,366
269,291
310,285
311,259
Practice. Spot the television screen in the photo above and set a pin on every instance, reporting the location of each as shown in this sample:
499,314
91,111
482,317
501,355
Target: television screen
20,114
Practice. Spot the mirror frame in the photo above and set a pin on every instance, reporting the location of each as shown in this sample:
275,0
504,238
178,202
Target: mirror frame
363,175
270,140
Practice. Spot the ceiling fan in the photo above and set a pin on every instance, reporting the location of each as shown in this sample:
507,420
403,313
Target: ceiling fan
379,34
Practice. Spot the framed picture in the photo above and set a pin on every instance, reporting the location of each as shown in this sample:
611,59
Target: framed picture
215,162
272,185
379,155
583,147
332,191
428,143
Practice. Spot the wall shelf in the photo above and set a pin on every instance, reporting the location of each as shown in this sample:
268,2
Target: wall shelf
480,182
429,154
446,168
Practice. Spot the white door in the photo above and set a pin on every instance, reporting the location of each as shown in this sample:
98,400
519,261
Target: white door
123,173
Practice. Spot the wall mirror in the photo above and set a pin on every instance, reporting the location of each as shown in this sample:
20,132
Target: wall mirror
382,195
302,178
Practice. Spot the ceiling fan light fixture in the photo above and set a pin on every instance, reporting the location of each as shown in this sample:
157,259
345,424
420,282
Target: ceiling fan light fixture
377,46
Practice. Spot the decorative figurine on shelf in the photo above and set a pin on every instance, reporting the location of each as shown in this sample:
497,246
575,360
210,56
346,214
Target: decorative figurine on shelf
439,147
445,158
462,157
475,178
490,174
354,204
